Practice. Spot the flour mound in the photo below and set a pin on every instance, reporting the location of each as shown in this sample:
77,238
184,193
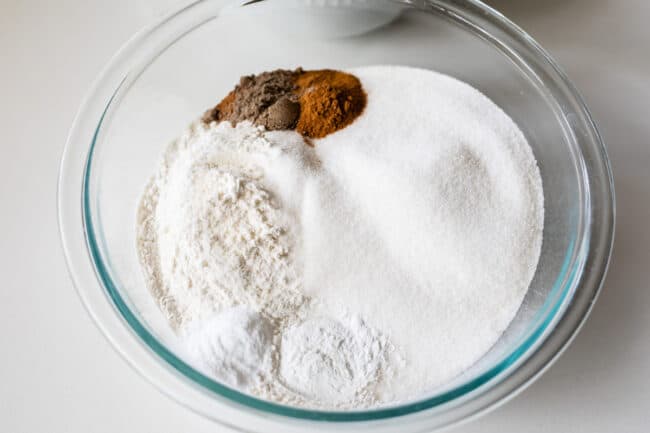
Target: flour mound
210,235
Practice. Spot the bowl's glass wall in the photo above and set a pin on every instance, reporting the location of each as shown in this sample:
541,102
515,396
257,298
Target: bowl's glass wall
203,65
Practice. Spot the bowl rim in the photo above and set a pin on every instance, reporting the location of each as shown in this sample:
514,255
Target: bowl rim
576,289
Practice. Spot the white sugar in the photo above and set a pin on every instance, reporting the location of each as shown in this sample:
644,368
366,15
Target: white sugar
429,223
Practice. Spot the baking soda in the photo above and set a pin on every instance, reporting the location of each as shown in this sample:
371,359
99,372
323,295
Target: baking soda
234,345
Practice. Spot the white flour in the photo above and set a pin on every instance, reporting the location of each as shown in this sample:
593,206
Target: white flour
210,236
386,259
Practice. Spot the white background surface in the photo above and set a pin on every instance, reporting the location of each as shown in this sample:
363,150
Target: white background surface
58,374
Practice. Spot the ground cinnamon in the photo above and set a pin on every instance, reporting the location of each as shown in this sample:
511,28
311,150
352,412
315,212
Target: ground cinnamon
314,103
329,100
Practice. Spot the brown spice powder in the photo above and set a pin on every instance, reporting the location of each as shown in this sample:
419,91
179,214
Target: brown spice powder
252,98
329,100
314,103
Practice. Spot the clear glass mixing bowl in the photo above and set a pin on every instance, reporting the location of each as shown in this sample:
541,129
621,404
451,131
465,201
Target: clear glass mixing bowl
168,74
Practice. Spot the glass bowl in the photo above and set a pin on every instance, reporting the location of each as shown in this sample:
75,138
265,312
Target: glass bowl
168,74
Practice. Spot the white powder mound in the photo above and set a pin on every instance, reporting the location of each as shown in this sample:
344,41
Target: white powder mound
428,222
338,363
235,346
388,258
210,235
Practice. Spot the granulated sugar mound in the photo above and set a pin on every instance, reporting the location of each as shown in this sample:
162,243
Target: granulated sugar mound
436,227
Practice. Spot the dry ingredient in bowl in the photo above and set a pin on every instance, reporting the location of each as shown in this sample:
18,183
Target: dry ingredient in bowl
366,269
211,236
314,103
334,361
234,345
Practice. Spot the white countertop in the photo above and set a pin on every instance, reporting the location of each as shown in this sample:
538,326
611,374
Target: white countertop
57,372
